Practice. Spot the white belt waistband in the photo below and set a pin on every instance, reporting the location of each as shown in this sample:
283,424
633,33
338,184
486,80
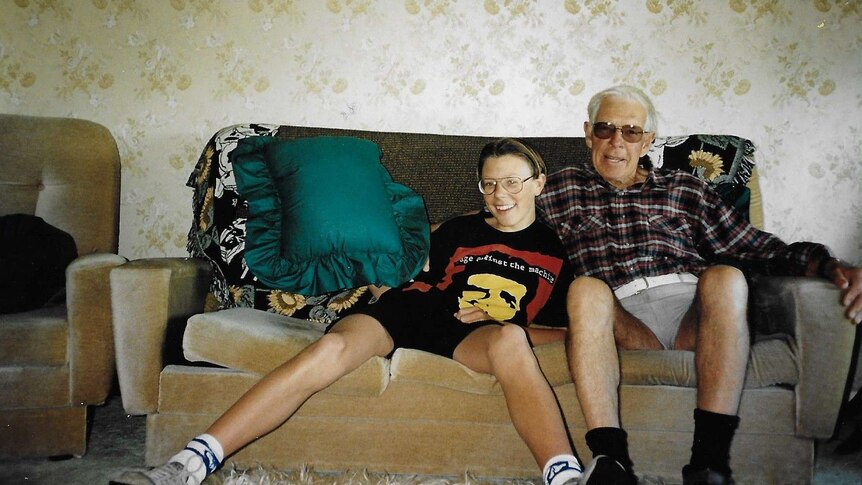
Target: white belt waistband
636,286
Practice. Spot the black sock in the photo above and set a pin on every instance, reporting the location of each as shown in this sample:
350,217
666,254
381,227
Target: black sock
713,433
612,442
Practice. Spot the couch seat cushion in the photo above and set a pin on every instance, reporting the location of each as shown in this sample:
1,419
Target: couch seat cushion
257,341
772,361
34,386
36,337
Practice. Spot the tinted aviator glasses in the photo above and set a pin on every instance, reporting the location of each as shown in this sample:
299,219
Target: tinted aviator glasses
513,185
631,133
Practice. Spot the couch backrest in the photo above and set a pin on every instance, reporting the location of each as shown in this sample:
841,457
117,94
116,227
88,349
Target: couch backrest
66,171
442,168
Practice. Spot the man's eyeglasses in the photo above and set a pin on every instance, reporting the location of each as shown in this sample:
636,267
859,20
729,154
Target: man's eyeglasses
631,133
513,185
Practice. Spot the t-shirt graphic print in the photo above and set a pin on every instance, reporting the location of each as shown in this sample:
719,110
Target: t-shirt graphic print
508,275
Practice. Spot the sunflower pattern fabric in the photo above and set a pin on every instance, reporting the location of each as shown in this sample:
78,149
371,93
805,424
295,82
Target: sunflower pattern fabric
724,162
218,235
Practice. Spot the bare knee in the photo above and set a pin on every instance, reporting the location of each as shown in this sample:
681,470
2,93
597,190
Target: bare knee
330,347
724,281
587,288
722,299
590,304
509,345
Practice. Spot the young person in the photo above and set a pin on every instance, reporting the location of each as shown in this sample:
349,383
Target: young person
491,275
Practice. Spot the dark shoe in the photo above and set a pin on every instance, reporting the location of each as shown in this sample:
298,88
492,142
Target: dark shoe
705,476
604,470
172,473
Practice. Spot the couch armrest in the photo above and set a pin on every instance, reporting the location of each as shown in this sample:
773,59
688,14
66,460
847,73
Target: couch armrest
91,342
810,310
152,299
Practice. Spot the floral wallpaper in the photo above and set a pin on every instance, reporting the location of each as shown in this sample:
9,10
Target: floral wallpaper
164,75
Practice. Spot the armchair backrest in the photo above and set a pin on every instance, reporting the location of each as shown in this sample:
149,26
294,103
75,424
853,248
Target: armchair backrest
66,171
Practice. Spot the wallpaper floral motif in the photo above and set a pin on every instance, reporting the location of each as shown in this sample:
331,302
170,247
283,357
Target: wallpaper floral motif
164,75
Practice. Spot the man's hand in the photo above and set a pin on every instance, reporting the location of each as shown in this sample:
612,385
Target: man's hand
849,280
472,315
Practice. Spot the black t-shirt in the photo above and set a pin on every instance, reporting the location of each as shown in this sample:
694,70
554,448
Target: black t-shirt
518,277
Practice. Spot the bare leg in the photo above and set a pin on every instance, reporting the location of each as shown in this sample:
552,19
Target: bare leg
717,329
598,325
505,352
274,398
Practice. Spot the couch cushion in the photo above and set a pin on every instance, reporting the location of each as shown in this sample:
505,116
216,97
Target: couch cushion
37,337
256,341
324,215
772,362
33,359
34,386
411,365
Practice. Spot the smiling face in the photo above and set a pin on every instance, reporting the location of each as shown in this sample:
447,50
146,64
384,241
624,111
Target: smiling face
512,212
615,159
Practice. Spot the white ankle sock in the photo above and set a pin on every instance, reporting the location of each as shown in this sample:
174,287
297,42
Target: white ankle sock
561,468
202,456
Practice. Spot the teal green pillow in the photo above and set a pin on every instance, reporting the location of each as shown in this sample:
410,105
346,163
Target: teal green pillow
325,215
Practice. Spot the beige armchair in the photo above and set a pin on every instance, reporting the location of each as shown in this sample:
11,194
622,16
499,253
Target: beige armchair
57,360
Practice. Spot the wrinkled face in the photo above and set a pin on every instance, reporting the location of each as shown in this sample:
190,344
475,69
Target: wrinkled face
615,159
512,212
499,297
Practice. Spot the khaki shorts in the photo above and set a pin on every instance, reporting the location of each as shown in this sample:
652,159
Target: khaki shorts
662,309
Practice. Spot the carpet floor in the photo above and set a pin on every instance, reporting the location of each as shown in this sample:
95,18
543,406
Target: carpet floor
117,444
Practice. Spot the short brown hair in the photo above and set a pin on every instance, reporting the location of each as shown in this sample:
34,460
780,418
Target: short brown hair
512,146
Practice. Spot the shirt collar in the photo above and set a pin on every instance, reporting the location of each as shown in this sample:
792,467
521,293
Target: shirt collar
654,178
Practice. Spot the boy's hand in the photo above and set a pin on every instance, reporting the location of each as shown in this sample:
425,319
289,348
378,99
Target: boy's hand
472,314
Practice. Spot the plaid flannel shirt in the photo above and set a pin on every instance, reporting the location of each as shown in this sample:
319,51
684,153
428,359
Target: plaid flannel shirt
672,223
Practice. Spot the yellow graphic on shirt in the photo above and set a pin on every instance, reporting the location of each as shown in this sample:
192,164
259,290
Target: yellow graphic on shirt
499,297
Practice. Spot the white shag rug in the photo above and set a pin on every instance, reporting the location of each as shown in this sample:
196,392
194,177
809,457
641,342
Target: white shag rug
305,476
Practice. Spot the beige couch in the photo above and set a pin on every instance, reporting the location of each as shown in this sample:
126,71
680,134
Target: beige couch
419,413
58,360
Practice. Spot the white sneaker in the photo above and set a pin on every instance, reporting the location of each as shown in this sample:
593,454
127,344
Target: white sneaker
171,473
563,472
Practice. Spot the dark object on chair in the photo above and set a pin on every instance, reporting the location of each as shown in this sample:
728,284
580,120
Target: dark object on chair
33,256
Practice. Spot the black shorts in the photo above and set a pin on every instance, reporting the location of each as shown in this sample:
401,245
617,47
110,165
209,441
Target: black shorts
422,321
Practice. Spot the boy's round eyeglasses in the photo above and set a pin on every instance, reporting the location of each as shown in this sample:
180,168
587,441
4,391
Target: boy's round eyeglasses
513,185
631,133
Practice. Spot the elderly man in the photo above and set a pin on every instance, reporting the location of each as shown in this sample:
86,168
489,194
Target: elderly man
646,246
